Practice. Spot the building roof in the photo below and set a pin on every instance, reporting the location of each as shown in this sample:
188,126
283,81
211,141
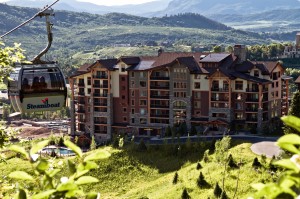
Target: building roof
130,60
297,81
109,64
215,57
165,58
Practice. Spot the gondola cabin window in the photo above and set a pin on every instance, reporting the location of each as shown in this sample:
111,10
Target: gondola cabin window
42,80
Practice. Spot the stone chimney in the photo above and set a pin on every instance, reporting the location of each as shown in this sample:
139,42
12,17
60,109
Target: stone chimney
160,51
240,52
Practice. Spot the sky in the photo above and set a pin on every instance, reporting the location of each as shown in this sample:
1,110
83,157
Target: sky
110,2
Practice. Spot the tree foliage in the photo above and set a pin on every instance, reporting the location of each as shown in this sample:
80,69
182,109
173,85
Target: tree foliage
46,172
8,57
295,111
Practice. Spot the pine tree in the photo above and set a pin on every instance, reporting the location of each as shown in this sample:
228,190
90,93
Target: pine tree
223,195
93,145
185,194
231,162
217,190
199,166
256,163
201,182
175,179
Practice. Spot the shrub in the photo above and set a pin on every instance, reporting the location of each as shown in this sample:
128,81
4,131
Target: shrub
223,195
221,147
231,162
206,156
142,146
53,153
185,194
199,166
256,163
201,182
217,190
175,179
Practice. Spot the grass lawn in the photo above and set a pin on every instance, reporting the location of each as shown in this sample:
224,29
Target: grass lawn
130,173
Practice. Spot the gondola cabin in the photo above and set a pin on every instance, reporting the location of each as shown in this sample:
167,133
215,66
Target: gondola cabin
36,88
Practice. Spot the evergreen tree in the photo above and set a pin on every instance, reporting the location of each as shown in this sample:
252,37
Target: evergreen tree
223,195
231,162
93,145
217,190
185,194
201,182
142,146
193,131
175,179
256,163
168,131
199,166
295,111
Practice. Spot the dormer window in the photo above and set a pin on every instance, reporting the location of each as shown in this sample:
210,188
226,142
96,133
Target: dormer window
256,73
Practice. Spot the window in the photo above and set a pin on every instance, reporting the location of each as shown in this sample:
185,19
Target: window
197,76
197,95
132,84
143,84
256,73
132,102
123,88
143,93
132,93
143,121
122,68
89,81
89,91
125,119
197,104
143,102
132,74
132,111
124,110
132,120
142,111
238,85
123,79
277,84
123,97
239,106
239,116
197,85
143,74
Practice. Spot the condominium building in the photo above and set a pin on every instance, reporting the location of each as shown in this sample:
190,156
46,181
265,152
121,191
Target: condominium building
144,95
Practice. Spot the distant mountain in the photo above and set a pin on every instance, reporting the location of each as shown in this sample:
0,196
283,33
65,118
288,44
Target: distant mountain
284,20
208,7
74,5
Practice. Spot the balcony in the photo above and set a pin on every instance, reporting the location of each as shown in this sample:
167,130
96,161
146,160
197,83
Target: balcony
159,78
251,119
100,122
100,76
252,100
100,104
159,115
251,109
81,102
159,87
159,106
100,85
81,111
81,93
219,99
100,95
253,90
100,132
219,89
159,97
